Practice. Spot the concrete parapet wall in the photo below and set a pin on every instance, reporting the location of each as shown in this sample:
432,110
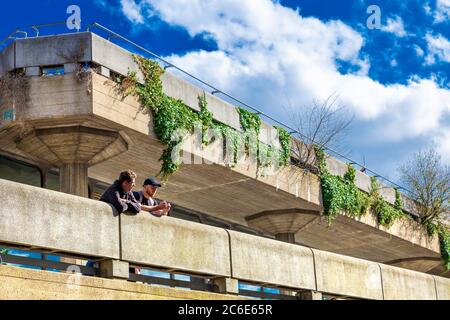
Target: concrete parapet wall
46,219
25,284
403,284
177,244
264,260
347,276
57,96
53,50
442,288
52,220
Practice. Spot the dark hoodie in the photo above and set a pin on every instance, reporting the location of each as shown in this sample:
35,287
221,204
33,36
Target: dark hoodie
114,193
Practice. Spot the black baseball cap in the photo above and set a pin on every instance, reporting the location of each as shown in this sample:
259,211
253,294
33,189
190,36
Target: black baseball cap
153,182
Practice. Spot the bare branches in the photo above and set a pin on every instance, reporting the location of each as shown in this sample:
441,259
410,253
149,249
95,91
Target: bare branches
322,124
428,182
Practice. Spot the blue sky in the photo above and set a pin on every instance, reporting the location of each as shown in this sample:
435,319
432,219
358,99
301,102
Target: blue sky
395,78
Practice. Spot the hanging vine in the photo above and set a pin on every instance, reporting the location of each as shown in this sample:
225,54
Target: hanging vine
341,195
172,116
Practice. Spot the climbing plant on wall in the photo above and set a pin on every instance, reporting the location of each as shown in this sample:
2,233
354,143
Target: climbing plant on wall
172,116
340,195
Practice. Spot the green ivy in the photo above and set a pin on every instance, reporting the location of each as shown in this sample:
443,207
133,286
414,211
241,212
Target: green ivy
284,158
398,204
444,240
206,118
249,121
341,195
170,115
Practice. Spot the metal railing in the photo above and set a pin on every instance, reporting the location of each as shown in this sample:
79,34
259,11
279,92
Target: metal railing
214,91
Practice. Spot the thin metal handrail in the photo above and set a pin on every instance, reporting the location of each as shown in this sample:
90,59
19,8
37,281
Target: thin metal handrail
10,36
216,90
36,27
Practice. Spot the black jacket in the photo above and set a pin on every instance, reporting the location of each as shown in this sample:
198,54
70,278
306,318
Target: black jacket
114,193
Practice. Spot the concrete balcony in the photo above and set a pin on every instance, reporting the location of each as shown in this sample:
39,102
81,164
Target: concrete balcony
118,135
65,224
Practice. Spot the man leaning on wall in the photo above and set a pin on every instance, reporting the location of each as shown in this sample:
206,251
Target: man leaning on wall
120,194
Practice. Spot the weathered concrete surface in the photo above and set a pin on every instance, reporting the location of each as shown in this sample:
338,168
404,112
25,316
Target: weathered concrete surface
52,220
57,96
269,261
178,88
113,57
53,50
442,288
402,284
176,244
25,284
347,276
7,57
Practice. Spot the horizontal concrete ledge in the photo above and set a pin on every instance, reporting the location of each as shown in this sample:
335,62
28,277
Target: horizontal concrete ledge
37,217
41,218
25,284
175,244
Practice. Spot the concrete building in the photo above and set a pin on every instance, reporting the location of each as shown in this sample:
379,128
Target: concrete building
65,134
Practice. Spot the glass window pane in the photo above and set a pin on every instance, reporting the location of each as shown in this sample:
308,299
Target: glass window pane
19,172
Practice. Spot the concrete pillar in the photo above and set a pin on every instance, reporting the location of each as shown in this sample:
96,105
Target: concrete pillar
283,224
73,149
105,72
310,295
114,269
73,178
32,71
227,285
286,237
70,67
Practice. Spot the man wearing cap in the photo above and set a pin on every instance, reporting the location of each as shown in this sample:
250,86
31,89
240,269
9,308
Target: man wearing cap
147,201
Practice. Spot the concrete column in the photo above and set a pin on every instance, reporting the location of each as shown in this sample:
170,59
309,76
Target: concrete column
286,237
310,295
227,285
33,71
114,269
73,178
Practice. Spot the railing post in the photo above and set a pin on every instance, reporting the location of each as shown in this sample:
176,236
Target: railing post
310,295
114,269
226,285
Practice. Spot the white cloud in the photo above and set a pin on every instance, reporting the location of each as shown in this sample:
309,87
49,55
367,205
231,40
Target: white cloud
271,56
132,11
442,13
419,51
438,49
395,26
442,141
